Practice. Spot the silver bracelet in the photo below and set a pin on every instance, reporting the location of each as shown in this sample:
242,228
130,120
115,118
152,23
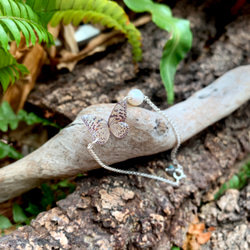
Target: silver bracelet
101,129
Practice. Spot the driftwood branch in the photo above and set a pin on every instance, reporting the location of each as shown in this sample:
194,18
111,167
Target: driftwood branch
66,154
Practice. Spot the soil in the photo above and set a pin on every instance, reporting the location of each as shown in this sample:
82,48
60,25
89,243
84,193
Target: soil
110,211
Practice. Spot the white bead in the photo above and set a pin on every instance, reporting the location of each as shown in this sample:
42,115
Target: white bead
136,97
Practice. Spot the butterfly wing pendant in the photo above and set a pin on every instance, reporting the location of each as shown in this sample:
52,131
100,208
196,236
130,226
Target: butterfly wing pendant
100,129
116,122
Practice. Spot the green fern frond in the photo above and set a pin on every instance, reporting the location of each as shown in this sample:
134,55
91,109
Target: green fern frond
16,17
10,70
105,12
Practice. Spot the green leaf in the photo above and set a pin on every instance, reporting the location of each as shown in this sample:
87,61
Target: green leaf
106,12
27,222
5,79
31,118
10,70
64,184
234,182
16,17
14,8
8,151
18,214
33,209
42,5
174,51
4,222
11,73
12,28
4,38
45,197
175,248
176,47
238,181
48,199
25,32
9,118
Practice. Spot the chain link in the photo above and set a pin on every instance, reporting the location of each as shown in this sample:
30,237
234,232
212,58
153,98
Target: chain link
120,171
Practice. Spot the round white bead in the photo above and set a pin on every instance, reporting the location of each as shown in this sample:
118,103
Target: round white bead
136,97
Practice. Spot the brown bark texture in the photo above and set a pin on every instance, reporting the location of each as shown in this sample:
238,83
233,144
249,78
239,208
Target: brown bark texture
111,211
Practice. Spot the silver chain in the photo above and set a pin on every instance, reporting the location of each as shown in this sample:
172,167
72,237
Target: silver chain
178,172
177,135
120,171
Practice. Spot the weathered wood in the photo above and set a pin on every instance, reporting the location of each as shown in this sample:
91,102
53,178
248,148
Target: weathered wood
66,154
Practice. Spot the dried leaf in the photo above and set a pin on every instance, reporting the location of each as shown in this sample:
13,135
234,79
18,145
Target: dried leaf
9,230
21,51
195,236
103,40
17,94
211,229
203,238
55,32
196,229
193,244
71,47
196,220
69,38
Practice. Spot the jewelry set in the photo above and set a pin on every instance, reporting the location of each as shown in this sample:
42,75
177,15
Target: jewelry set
116,125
